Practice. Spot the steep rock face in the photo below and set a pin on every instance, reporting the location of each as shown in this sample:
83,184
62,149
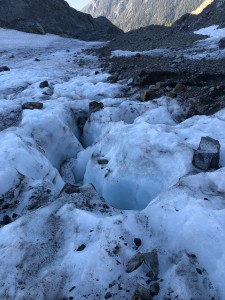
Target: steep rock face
213,14
53,16
132,14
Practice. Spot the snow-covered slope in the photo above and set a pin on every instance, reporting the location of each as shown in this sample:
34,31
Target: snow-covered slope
134,188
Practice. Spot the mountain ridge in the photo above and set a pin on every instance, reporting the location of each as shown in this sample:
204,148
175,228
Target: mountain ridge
133,14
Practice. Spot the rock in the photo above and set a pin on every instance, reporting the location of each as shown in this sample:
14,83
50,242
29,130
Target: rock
108,295
134,263
154,289
37,59
81,247
151,260
95,106
179,87
103,161
32,105
222,43
207,155
81,122
6,220
71,189
43,84
137,242
4,69
147,95
142,293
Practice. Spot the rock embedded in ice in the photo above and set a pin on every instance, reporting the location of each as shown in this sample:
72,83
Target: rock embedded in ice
95,106
43,84
142,293
134,263
207,155
4,68
32,105
154,289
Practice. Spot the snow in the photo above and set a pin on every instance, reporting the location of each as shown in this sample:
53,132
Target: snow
132,162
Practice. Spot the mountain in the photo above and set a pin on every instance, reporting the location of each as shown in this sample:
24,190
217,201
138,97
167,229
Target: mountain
53,16
132,14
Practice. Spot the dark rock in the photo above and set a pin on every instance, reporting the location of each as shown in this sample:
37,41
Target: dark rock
44,84
207,155
142,293
180,87
37,59
4,68
137,242
71,189
154,289
151,260
95,106
32,105
6,220
108,295
14,215
81,247
103,161
222,44
134,263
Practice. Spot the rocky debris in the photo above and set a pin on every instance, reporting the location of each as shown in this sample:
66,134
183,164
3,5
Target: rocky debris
43,84
4,69
81,247
32,105
54,16
134,263
95,106
207,155
148,94
37,59
151,260
81,120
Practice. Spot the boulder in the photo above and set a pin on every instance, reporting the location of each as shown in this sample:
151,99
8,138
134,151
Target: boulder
207,155
43,84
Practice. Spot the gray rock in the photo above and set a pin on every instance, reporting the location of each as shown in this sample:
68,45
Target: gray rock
134,263
95,106
32,105
6,220
151,260
207,155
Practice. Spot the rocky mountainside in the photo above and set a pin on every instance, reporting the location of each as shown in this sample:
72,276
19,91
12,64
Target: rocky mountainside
131,14
212,14
53,16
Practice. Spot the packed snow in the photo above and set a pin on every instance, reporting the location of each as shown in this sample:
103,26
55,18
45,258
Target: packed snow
130,165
